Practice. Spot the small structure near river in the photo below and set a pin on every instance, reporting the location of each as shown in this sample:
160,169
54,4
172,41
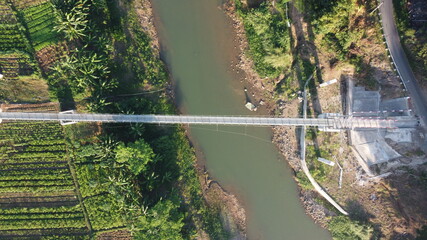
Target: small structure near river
375,149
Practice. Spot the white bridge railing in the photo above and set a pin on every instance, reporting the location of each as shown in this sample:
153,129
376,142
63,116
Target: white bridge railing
335,123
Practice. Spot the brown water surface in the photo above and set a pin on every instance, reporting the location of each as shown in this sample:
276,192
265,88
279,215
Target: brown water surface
197,44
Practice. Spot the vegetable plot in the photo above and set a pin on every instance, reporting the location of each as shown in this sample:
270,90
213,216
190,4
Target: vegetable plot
11,32
37,193
40,20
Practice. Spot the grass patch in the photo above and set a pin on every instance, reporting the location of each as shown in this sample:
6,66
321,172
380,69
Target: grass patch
414,39
29,89
342,227
268,37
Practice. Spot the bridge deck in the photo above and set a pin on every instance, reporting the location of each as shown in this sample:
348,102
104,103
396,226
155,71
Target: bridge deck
336,123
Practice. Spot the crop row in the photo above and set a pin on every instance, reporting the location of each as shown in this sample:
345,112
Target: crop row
58,177
42,223
5,59
9,167
46,215
34,124
92,179
31,155
16,65
104,213
43,27
46,234
40,171
29,136
42,148
30,128
33,134
37,191
10,31
32,148
37,188
34,12
56,210
40,20
16,159
22,4
35,182
16,44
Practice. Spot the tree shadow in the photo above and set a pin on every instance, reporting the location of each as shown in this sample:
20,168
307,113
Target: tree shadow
358,213
306,63
306,60
402,236
65,96
254,3
314,51
407,192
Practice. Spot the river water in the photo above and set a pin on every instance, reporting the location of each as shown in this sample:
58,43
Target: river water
197,45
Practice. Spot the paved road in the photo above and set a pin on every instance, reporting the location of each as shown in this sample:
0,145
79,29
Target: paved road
401,61
336,123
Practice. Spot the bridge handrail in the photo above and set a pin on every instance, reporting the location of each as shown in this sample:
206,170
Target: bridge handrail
336,122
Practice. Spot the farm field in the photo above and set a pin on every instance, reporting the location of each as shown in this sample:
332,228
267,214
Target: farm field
20,80
11,35
26,28
81,181
37,192
40,20
41,178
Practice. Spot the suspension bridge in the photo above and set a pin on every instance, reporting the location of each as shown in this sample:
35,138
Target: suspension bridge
336,122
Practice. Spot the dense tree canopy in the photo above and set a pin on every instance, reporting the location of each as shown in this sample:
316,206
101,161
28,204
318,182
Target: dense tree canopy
135,155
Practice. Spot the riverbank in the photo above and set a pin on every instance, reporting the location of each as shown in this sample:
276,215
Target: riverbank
284,138
383,205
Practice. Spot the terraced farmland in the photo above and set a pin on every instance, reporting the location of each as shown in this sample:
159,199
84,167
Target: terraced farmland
40,20
11,31
22,4
20,19
37,192
21,79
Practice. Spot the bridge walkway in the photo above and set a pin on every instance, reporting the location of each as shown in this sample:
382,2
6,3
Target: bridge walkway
335,123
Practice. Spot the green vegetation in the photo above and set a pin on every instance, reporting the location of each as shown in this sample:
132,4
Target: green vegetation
340,26
317,169
39,21
36,179
11,31
414,39
28,86
100,178
326,149
25,28
145,181
268,37
343,228
336,29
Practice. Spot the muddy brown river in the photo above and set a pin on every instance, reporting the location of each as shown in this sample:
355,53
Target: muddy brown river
197,45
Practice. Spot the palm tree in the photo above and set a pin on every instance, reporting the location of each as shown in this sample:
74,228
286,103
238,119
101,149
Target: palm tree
137,129
74,23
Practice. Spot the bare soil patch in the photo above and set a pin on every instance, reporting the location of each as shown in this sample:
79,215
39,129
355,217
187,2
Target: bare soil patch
113,235
47,56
